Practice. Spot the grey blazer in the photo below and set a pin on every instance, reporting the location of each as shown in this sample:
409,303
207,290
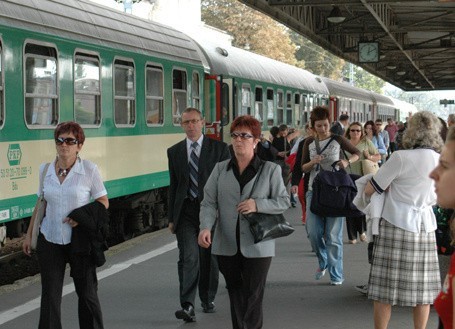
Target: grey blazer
219,206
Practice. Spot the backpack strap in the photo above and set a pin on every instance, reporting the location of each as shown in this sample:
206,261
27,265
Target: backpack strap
318,148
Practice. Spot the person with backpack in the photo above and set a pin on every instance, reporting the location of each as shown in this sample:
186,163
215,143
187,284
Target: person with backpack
325,233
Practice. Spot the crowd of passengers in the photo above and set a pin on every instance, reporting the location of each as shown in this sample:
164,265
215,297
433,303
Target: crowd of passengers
213,187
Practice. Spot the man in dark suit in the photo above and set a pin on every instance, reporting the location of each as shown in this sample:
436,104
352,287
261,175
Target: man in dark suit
339,127
191,162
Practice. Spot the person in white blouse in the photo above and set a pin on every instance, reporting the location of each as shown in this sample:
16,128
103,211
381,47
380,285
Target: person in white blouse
69,183
405,269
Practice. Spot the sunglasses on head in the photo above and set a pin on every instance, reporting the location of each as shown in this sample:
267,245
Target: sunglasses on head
67,141
241,135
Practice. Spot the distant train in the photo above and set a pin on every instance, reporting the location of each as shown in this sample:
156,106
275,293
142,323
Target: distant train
126,81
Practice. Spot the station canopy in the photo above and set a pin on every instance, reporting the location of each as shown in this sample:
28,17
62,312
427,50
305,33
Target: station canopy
410,44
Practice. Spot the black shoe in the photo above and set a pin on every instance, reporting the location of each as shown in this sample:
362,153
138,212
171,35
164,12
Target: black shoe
186,313
208,307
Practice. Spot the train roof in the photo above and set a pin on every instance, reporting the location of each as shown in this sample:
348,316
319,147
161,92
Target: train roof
382,99
337,88
222,59
99,25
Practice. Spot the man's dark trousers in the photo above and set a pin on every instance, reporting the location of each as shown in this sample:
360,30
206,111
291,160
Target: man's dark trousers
197,268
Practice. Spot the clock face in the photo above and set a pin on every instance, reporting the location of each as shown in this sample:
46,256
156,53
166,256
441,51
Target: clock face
368,52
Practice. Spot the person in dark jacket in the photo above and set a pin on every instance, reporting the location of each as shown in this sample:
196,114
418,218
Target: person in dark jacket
339,127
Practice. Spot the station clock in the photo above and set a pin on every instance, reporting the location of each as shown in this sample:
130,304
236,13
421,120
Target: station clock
368,52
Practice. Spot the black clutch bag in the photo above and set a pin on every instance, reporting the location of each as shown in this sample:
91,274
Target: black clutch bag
267,226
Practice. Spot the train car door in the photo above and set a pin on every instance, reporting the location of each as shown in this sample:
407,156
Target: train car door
333,108
219,106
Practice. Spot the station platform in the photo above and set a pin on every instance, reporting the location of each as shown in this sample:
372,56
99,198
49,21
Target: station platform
138,289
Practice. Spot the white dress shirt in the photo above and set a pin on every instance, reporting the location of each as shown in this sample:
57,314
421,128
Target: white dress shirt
82,184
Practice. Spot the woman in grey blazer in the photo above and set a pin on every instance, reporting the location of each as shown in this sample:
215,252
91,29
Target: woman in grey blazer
243,264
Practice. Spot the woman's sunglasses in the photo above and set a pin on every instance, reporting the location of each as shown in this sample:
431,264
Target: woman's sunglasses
355,130
241,135
67,141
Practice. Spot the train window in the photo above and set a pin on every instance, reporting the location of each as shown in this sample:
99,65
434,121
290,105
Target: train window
258,104
288,108
270,107
41,98
124,93
297,110
246,100
195,90
179,94
154,95
280,107
305,110
2,106
87,91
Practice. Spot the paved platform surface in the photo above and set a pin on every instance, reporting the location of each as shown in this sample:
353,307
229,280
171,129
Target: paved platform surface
138,289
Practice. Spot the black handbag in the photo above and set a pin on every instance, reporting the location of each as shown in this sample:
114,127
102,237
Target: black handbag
265,227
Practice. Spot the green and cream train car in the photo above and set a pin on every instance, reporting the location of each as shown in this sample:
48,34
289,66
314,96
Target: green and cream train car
247,83
124,79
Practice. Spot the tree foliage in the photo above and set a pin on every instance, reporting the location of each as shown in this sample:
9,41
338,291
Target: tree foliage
250,30
316,59
261,34
363,79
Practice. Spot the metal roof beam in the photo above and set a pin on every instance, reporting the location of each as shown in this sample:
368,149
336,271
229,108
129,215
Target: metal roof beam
394,39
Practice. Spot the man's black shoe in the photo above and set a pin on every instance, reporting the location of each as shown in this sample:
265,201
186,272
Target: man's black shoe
186,313
208,307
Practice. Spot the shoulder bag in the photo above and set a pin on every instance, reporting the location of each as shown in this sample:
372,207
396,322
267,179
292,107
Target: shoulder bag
267,226
333,192
40,209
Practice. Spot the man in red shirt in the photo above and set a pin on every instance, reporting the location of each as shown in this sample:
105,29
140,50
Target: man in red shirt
392,129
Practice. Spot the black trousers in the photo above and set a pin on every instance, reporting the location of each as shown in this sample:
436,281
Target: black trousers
245,280
197,268
52,260
355,225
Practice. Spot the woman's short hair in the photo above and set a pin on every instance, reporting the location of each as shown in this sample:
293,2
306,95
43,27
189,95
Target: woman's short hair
70,127
319,113
423,131
247,121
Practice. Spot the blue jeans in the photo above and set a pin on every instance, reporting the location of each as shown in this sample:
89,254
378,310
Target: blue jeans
326,237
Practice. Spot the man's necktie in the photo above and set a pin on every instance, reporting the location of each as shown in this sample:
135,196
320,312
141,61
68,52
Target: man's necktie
194,163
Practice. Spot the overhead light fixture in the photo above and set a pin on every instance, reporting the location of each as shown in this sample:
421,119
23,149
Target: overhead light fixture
413,83
336,16
401,70
381,55
391,66
418,87
408,80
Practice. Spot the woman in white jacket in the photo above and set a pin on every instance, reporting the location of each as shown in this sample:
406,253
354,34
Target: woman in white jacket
405,269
